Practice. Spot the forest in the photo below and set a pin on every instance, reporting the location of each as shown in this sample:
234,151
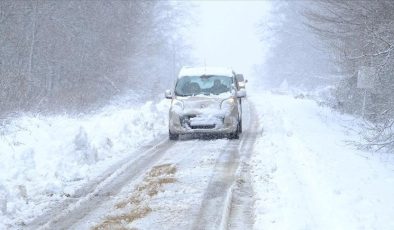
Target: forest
330,44
360,34
73,56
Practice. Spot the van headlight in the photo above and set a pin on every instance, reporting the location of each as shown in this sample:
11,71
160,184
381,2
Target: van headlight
227,104
176,105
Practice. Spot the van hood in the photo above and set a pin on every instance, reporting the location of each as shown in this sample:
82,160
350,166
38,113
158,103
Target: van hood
202,105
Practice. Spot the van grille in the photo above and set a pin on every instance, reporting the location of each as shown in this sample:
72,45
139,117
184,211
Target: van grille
202,126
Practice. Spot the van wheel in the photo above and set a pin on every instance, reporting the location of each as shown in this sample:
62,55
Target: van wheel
234,135
173,137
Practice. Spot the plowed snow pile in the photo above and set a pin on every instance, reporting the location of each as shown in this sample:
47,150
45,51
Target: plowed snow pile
306,176
45,159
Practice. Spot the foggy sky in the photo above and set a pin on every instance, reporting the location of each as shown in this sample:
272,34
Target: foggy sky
226,34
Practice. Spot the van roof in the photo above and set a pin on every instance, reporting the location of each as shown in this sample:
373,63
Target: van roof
199,71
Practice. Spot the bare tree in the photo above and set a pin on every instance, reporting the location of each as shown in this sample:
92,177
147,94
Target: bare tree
72,55
361,33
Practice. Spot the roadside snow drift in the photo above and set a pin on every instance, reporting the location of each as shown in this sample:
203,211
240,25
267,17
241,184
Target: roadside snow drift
306,176
44,159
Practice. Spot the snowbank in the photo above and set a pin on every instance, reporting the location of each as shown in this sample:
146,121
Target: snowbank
306,176
44,159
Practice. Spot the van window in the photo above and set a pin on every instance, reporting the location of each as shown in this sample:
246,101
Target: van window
203,85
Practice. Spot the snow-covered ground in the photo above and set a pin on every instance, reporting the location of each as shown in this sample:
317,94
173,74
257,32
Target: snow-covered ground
307,176
44,160
304,172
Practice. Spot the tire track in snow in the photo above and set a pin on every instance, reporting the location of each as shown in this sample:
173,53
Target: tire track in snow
241,210
81,213
217,211
176,203
111,184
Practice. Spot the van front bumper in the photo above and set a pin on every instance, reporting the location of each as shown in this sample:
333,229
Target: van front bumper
191,123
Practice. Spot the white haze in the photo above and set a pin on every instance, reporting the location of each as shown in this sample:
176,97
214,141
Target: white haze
226,34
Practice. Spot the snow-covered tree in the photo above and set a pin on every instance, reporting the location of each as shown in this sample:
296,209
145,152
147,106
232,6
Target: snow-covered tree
71,55
361,34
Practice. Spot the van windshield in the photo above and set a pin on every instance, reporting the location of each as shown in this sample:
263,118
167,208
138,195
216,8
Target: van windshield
204,85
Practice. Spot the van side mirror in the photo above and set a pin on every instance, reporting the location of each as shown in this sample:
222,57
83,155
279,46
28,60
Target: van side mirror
246,80
168,94
241,94
239,77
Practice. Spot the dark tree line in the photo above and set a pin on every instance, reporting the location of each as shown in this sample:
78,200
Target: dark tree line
72,55
361,34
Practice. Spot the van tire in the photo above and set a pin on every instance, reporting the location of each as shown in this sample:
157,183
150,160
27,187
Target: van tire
173,137
234,135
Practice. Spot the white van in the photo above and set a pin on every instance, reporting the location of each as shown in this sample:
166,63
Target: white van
205,100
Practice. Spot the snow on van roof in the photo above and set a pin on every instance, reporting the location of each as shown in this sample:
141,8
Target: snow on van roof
199,71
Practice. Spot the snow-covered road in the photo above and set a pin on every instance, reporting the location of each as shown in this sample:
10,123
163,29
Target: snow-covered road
292,168
188,184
